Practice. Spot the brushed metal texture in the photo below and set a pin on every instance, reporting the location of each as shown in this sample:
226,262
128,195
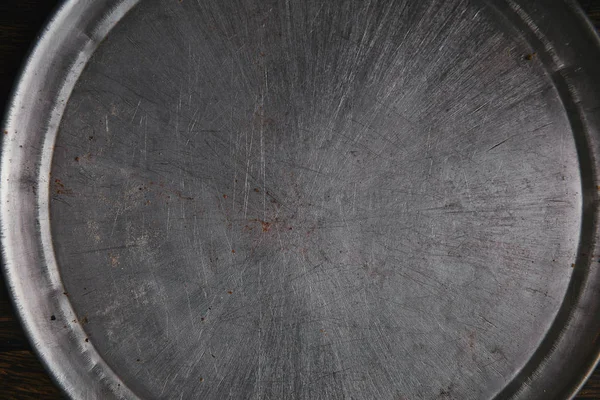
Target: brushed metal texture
307,199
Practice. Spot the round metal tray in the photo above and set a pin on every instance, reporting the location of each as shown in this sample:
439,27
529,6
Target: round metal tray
305,199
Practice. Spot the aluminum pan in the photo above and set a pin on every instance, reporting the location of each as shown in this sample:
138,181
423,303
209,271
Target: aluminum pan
541,88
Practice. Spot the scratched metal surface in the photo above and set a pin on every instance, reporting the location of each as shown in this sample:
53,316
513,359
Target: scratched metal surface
307,200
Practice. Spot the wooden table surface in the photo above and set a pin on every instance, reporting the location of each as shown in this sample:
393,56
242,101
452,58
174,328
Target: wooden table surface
21,374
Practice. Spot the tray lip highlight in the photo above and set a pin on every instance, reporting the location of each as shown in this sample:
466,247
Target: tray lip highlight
39,62
41,57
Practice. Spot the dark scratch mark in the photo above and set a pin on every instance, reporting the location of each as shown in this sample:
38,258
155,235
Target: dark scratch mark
499,144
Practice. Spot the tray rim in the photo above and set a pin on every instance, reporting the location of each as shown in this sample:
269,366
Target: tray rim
61,373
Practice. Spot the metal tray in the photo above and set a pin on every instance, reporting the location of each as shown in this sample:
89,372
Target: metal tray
307,199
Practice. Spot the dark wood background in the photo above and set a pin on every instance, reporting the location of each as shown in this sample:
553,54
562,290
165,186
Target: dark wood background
22,376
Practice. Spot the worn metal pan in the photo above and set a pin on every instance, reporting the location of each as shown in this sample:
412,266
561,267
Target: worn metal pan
307,199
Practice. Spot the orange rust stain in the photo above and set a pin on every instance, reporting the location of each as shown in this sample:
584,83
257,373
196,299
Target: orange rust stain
60,188
266,226
224,196
230,291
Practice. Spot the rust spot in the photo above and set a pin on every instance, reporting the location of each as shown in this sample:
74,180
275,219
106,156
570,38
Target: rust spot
257,190
60,188
224,196
266,226
114,260
530,56
77,159
233,251
472,339
230,291
572,265
6,132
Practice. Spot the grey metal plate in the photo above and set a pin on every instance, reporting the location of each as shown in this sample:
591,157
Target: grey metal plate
307,199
